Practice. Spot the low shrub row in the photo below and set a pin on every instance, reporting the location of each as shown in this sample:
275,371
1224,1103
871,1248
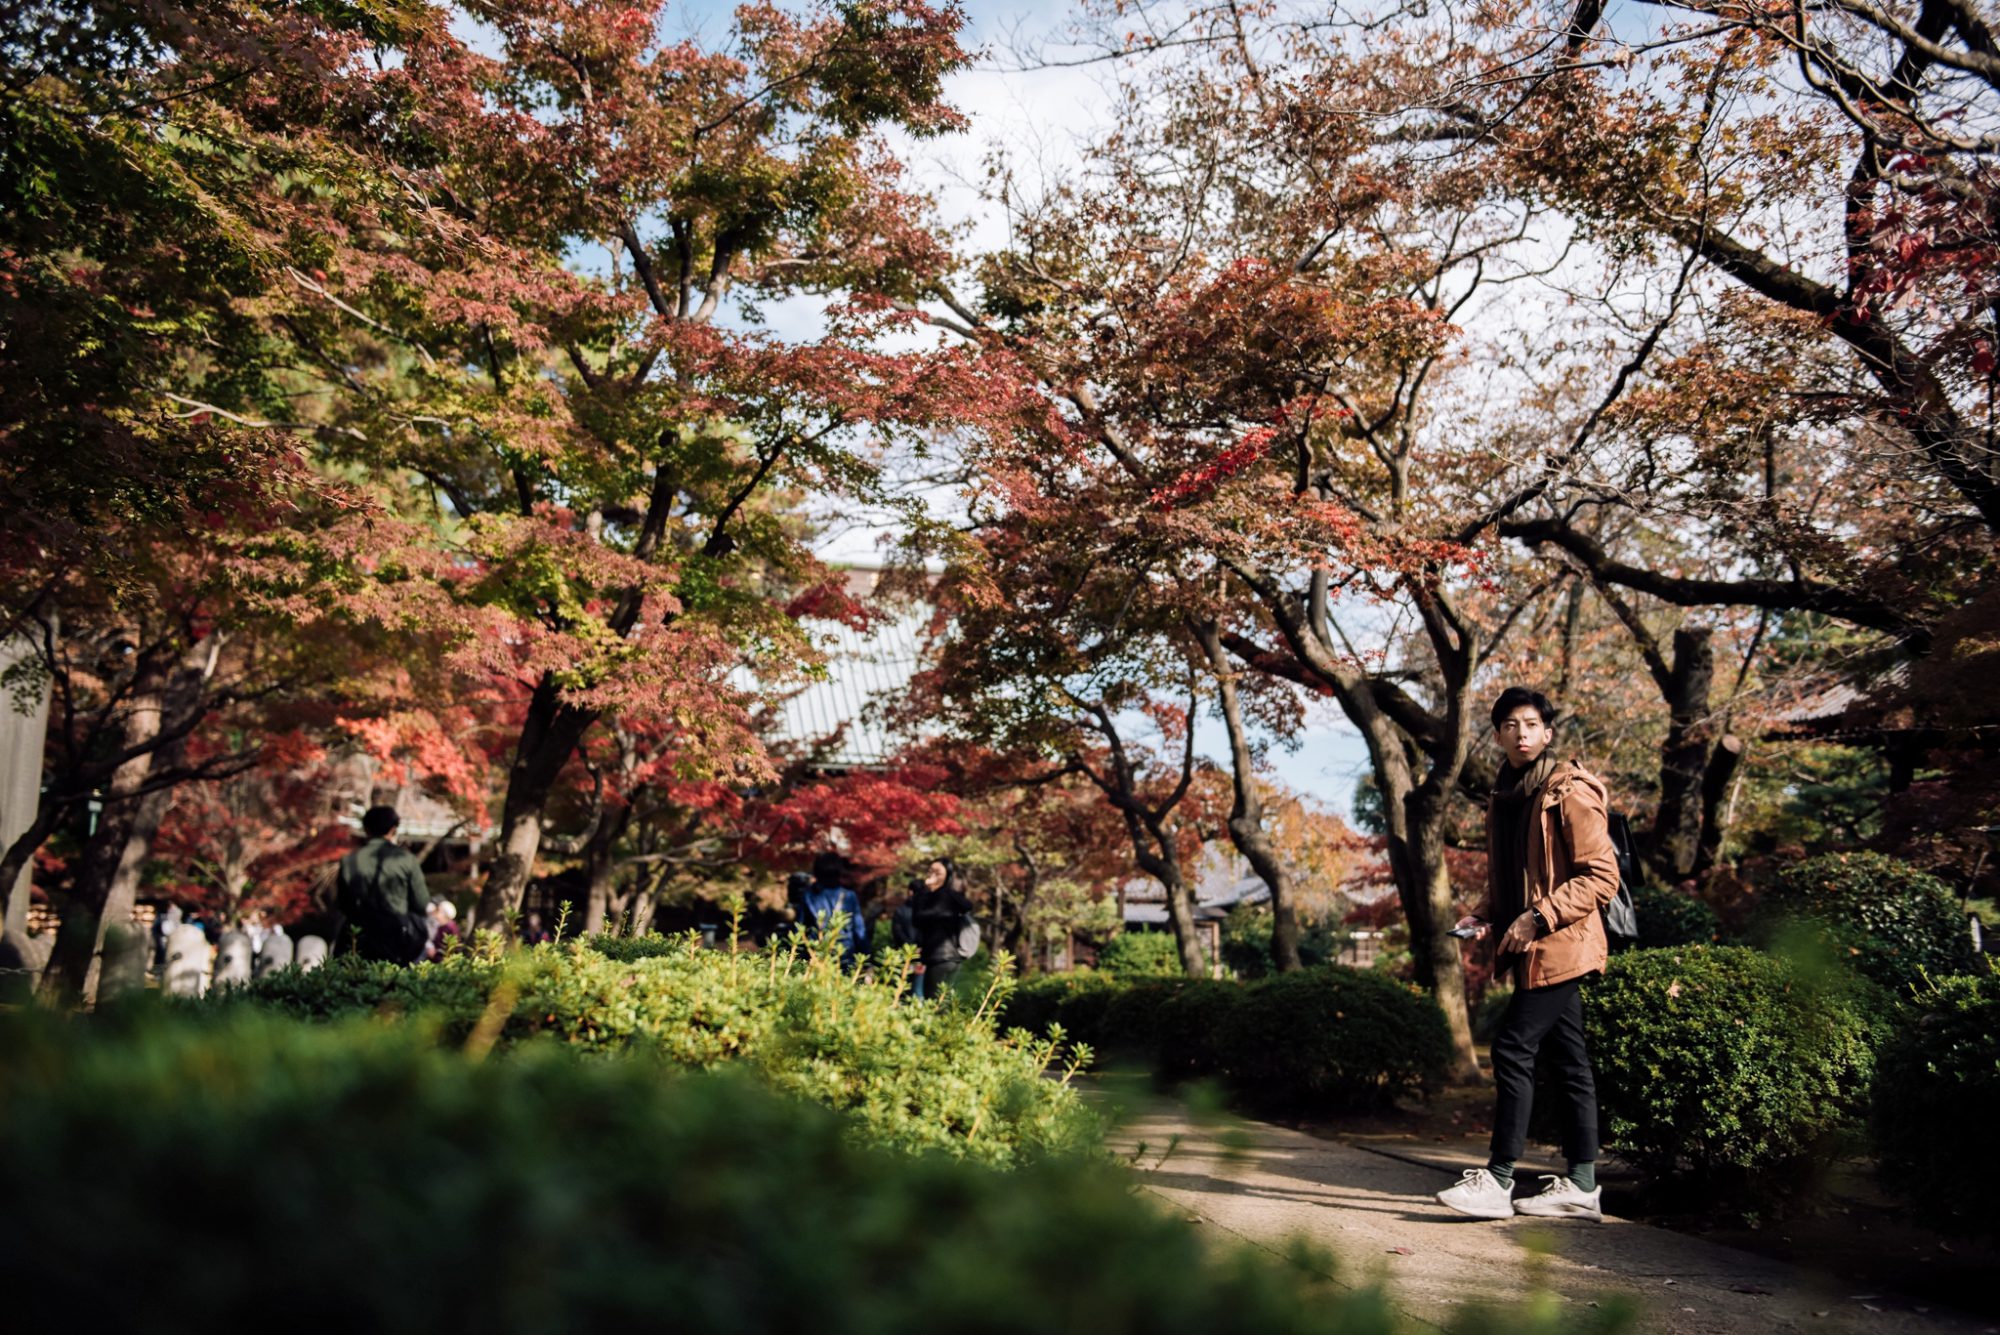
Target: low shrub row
913,1076
1319,1038
200,1172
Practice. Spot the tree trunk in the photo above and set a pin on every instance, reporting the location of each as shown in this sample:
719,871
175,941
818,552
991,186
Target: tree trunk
602,867
1423,886
1722,763
597,899
1684,755
123,894
1018,942
1153,845
644,909
1414,813
19,951
549,737
1246,816
643,905
26,815
1180,916
108,874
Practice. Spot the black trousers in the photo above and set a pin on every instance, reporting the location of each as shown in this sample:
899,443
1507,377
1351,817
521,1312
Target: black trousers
936,979
1536,1018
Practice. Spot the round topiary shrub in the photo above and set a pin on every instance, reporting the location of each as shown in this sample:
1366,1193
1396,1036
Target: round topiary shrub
1141,955
1937,1099
1332,1037
1673,918
1722,1060
1894,923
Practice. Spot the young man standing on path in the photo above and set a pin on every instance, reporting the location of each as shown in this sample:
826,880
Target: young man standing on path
1550,870
382,894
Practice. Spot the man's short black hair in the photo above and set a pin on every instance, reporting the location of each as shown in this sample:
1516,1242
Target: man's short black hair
377,822
830,868
1514,697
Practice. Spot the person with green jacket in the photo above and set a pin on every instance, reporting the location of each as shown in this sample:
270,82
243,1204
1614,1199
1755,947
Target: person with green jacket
381,893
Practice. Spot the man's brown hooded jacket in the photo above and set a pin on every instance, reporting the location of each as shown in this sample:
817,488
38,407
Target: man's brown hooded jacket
1572,873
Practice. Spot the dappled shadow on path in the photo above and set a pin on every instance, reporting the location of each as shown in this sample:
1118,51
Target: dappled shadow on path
1377,1214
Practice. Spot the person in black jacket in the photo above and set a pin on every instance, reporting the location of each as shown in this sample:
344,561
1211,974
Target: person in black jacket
903,932
381,892
939,910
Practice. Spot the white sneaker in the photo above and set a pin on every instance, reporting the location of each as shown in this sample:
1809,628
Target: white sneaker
1559,1198
1479,1194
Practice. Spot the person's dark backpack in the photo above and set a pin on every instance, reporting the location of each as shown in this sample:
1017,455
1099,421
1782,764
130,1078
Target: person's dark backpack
1621,915
386,933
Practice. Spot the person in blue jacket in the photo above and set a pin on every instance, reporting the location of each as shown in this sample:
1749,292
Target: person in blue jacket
830,905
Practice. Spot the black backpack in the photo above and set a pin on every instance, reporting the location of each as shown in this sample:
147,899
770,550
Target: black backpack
386,934
1621,915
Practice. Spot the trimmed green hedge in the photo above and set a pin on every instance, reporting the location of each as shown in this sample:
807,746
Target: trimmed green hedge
1895,924
913,1076
1321,1037
1937,1100
1722,1060
196,1173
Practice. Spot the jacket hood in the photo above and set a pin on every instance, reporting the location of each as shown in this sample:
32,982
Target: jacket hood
1568,774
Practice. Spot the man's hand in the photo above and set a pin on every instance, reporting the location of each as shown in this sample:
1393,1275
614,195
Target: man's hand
1478,926
1519,934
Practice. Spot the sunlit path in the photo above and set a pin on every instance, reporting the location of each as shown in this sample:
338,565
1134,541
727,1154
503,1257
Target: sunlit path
1268,1185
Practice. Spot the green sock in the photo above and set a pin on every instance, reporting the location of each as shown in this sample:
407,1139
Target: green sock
1503,1171
1584,1175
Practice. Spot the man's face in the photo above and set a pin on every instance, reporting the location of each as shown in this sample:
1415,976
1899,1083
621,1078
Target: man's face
1523,736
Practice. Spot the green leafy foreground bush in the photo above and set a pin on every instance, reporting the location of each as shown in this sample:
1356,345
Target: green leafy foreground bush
913,1076
1895,924
1725,1061
203,1172
1937,1100
1321,1037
